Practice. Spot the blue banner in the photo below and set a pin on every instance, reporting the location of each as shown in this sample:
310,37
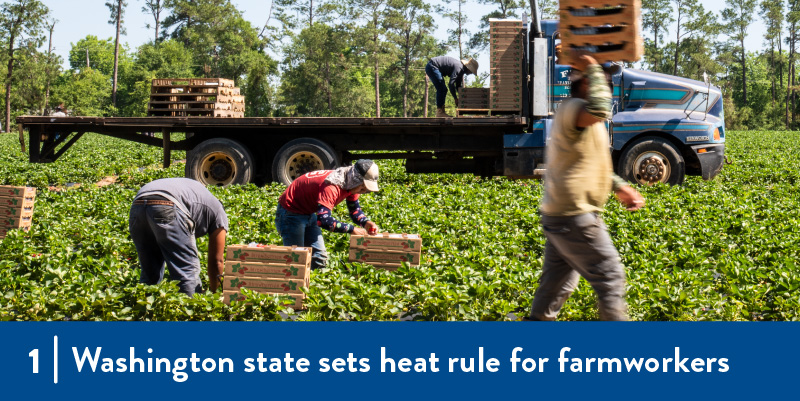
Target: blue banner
398,360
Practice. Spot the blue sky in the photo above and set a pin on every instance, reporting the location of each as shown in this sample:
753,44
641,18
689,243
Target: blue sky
78,18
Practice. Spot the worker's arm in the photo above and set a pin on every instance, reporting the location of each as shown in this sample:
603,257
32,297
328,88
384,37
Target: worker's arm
454,84
216,261
598,94
359,217
326,220
356,214
626,194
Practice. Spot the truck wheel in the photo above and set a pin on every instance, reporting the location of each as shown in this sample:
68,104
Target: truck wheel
220,162
300,156
651,160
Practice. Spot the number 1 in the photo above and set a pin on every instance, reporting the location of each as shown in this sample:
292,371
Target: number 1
35,355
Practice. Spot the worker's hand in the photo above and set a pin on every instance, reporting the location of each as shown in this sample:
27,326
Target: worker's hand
630,197
359,231
583,61
371,227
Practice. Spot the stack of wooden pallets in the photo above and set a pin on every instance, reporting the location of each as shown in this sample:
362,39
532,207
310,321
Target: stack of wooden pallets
506,52
608,29
16,208
269,269
198,97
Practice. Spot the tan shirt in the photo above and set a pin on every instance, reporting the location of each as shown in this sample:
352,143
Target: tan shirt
579,170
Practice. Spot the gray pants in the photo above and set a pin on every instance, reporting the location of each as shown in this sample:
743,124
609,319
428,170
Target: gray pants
579,246
162,236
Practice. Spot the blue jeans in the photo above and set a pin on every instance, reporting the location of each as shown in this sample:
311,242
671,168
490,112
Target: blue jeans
302,230
575,247
162,236
438,82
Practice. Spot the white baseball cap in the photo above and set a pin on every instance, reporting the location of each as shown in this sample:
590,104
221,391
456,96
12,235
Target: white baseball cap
369,171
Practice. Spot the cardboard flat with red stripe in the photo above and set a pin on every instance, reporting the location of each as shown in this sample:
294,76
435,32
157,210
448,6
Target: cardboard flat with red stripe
287,255
266,270
293,300
233,283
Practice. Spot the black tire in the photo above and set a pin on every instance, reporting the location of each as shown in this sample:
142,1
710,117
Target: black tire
650,160
220,162
300,156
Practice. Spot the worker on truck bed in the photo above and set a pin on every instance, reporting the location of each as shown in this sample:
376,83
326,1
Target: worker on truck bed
576,185
165,218
307,202
444,66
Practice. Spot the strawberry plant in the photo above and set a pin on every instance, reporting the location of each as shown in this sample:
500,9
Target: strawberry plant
725,249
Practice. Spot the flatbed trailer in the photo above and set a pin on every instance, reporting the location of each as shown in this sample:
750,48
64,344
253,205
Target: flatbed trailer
662,129
224,151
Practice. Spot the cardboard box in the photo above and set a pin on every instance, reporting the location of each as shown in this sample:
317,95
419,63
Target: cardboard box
387,242
15,222
5,230
234,283
15,212
287,255
295,301
266,270
17,201
391,258
17,192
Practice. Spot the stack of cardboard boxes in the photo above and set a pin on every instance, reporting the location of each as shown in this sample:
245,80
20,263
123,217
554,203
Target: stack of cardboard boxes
506,52
200,97
269,269
386,250
611,31
16,208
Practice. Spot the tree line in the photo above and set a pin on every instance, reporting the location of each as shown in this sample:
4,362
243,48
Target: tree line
366,57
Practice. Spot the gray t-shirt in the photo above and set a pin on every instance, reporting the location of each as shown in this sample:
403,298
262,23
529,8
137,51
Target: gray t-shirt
453,68
205,210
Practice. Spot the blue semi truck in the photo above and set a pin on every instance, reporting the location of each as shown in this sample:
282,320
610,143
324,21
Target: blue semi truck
663,128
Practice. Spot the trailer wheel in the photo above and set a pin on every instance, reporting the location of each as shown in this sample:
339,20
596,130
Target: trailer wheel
300,156
650,160
220,162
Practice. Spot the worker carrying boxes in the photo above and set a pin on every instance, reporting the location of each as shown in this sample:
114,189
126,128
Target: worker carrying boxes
16,208
268,269
386,250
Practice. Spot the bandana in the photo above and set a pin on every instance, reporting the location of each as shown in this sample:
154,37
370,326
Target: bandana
346,178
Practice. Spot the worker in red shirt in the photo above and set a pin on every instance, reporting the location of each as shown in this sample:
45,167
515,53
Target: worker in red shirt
307,202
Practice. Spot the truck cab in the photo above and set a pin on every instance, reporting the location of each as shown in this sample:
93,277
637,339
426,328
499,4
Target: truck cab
663,127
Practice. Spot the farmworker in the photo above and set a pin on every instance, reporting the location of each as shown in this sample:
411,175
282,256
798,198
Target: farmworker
166,217
576,185
445,66
59,111
307,202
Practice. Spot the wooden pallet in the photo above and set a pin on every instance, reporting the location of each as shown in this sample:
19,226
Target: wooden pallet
196,82
464,112
609,29
195,97
195,113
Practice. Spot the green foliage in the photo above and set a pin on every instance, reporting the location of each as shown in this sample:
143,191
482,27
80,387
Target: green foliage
101,54
719,250
85,93
323,75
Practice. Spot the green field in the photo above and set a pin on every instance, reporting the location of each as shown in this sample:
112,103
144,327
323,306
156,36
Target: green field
727,249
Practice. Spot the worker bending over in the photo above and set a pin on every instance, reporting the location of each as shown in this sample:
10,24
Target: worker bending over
307,203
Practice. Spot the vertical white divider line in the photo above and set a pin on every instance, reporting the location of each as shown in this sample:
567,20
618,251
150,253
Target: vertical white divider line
55,359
